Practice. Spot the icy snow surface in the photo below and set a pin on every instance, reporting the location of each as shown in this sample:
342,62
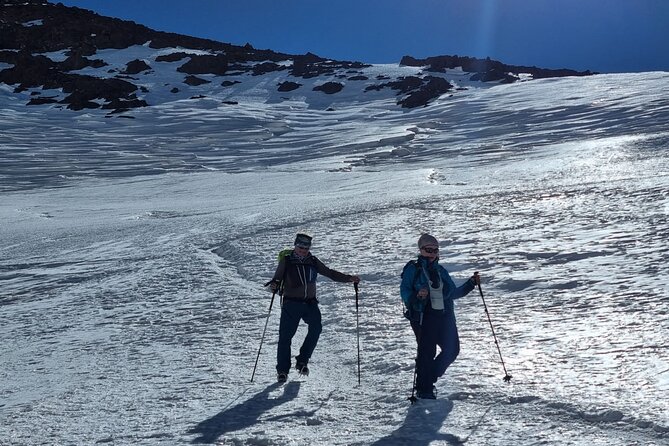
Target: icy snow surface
134,249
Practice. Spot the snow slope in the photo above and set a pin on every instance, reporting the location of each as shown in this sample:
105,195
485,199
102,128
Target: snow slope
135,248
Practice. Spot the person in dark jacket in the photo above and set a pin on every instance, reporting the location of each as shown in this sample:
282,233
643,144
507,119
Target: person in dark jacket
428,292
295,279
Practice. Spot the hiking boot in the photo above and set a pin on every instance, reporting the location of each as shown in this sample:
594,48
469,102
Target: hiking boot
302,368
282,377
426,395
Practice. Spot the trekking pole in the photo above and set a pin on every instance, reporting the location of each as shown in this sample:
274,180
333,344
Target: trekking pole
413,398
507,377
263,332
357,325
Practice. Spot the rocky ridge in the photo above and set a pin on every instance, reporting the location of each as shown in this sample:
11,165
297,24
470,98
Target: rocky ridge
31,31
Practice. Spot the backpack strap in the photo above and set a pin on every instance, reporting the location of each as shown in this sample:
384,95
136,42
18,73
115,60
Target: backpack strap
283,254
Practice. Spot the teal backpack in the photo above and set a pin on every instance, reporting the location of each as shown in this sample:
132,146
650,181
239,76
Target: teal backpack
411,313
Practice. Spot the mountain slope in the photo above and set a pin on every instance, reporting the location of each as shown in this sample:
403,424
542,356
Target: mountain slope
46,47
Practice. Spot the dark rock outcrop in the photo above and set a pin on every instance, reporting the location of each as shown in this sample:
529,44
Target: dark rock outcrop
195,81
266,67
136,66
119,105
205,64
431,88
28,70
42,100
419,90
39,71
78,60
84,89
172,57
288,86
311,65
329,87
486,69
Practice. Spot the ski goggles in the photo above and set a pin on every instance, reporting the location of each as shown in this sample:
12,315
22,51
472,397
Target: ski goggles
430,250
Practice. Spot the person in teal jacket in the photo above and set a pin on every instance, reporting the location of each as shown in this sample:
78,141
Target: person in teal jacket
428,293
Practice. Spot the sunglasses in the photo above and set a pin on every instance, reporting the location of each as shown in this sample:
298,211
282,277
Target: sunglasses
303,246
430,250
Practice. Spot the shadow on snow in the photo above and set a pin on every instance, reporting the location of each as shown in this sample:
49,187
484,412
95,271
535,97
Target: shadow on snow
244,414
421,426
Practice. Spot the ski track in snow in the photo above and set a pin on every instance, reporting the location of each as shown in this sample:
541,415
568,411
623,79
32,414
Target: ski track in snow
132,304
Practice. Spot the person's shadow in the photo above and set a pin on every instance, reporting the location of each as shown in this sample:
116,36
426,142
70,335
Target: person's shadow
421,426
242,415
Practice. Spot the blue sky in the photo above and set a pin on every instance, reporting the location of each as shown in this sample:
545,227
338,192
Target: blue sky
599,35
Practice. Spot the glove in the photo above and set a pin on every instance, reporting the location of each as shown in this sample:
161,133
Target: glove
273,285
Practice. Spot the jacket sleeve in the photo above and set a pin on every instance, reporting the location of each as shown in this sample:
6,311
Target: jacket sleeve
330,273
456,292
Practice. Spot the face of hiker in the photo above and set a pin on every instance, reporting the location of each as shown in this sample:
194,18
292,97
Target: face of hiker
302,244
430,252
301,250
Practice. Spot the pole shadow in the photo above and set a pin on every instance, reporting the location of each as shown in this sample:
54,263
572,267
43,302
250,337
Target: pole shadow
421,426
242,415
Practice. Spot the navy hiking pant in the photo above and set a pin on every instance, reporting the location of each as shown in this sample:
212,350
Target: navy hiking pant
438,329
291,313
